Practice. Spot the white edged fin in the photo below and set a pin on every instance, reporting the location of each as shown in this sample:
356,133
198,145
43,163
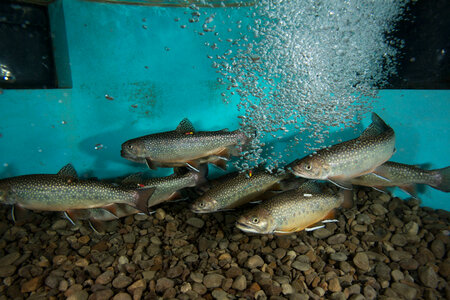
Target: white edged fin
13,215
330,221
192,167
342,184
314,228
185,126
69,218
381,177
68,170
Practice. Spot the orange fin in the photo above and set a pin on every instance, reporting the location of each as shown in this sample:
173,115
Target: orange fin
111,208
220,163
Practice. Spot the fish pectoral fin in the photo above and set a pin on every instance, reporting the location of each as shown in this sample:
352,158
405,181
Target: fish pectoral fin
68,215
68,170
379,174
381,189
193,165
185,126
220,163
223,154
150,163
19,215
314,228
341,183
410,189
97,226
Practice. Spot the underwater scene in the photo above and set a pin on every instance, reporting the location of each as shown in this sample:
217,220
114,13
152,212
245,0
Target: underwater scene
207,149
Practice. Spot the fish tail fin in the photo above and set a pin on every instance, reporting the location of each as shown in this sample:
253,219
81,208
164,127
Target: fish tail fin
442,179
347,198
377,127
141,198
244,137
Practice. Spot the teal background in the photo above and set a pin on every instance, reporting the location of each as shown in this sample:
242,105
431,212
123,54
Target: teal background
164,72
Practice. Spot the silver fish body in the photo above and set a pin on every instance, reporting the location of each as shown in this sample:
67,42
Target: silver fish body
184,147
60,192
405,177
234,191
352,158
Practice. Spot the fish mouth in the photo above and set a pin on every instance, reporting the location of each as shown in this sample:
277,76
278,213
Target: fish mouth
246,228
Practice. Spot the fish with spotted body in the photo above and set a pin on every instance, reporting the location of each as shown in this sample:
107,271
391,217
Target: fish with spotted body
185,147
292,211
65,192
235,190
341,162
405,177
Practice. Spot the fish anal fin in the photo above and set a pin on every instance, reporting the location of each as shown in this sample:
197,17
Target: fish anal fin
341,183
68,170
410,189
193,165
224,153
111,209
185,126
174,196
150,163
330,215
220,163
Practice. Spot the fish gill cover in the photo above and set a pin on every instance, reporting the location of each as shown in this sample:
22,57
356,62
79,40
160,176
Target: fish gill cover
301,67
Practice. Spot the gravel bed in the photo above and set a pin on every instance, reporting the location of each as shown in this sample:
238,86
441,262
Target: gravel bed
382,248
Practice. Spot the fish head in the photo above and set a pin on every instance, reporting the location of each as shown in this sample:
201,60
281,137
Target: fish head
312,167
256,221
133,149
204,205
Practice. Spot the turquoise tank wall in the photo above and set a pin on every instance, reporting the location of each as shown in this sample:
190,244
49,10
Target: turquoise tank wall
157,76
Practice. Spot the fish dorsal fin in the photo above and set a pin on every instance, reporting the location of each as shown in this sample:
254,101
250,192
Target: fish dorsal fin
377,127
68,170
133,178
185,126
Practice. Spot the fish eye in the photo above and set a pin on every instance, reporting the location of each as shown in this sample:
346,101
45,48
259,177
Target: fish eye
308,167
130,146
201,204
255,220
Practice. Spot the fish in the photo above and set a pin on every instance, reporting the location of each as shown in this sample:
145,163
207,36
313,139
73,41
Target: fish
65,192
185,147
292,211
6,75
341,162
405,177
238,189
168,188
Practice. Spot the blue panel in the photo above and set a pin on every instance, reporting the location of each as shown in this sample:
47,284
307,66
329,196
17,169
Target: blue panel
154,77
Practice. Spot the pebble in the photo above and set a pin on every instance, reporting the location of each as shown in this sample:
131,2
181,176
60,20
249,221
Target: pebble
195,222
213,280
334,285
163,284
378,209
254,262
361,261
399,240
122,296
301,266
9,259
105,277
101,294
78,295
370,293
219,294
31,285
337,239
404,290
338,256
6,271
322,233
411,228
121,281
428,276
